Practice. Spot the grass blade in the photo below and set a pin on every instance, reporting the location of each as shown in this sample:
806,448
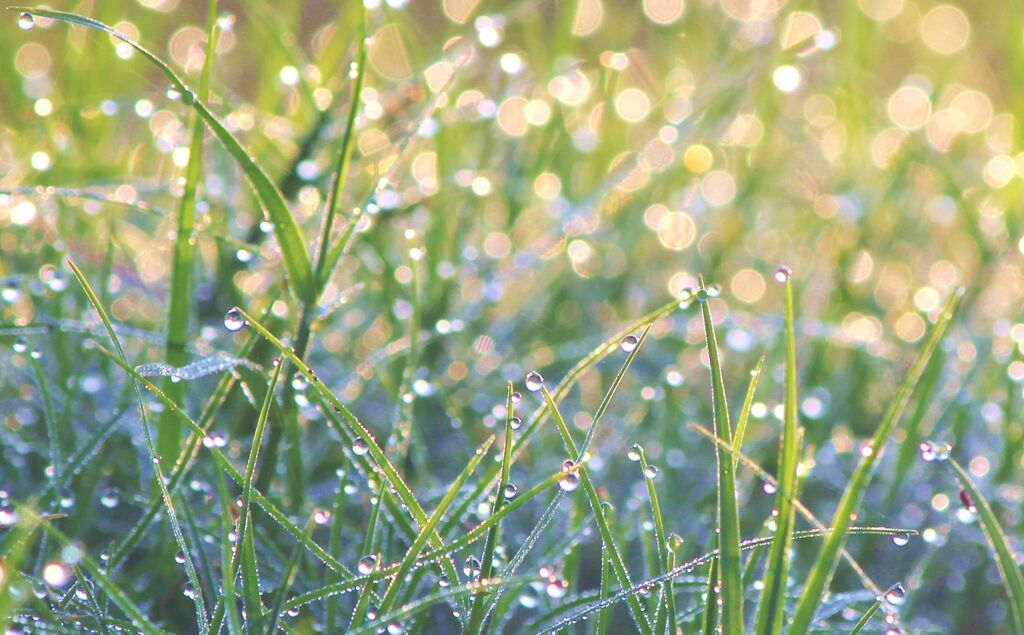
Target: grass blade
772,609
294,256
824,566
1009,570
748,401
730,563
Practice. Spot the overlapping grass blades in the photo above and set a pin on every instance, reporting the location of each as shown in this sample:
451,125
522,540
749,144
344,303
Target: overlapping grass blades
824,566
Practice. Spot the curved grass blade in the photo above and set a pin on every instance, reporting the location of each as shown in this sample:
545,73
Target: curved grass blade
179,537
1009,570
730,563
824,566
772,609
294,256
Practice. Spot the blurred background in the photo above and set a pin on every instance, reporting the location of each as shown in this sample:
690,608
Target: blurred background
534,176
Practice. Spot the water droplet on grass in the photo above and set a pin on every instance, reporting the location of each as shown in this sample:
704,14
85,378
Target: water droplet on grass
629,343
769,488
511,490
188,591
11,292
516,423
367,564
8,517
932,451
321,517
534,381
569,482
634,452
471,568
896,595
20,345
233,320
901,540
783,274
179,558
702,295
651,472
394,628
360,447
675,542
26,22
557,588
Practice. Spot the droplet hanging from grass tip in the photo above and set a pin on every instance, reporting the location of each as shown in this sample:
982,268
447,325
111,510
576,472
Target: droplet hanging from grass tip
629,343
896,595
534,381
233,320
783,274
26,21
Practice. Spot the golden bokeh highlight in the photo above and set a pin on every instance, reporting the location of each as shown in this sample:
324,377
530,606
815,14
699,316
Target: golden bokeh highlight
909,107
664,12
945,29
676,230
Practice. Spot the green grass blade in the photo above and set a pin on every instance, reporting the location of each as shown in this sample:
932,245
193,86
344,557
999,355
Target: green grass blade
607,539
748,401
294,256
15,548
730,563
251,599
864,619
198,600
476,613
824,566
772,608
428,528
659,534
168,438
999,545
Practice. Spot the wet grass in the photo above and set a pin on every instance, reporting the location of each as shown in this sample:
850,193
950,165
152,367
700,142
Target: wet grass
333,322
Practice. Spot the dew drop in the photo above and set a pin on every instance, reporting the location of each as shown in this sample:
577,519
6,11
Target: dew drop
233,320
896,595
471,568
321,517
8,517
516,423
932,451
901,540
394,628
188,591
517,397
367,564
57,574
20,345
534,381
511,490
769,488
628,343
360,447
702,295
557,588
443,582
173,93
651,472
179,557
714,290
783,274
634,452
675,542
11,292
569,482
26,22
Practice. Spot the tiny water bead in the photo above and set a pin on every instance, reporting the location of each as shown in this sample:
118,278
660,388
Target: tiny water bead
932,451
26,22
534,381
629,343
634,452
20,345
769,488
367,564
896,595
233,320
360,447
783,274
321,517
901,540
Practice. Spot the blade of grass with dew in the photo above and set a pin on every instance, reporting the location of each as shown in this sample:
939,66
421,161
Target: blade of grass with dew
222,461
601,623
660,538
771,611
116,593
561,390
244,517
287,580
999,545
179,538
252,600
607,540
579,454
427,529
357,429
824,566
294,257
369,539
730,563
15,549
476,614
711,596
179,313
227,555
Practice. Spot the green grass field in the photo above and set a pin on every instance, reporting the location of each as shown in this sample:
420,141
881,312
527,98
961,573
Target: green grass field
521,316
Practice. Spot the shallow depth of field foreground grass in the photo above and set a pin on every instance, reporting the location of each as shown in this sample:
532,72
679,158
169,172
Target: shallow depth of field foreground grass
519,316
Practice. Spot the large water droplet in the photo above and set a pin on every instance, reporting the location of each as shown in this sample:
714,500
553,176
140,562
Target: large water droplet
783,274
367,564
471,568
233,320
11,292
896,595
188,591
628,343
511,490
360,447
516,423
702,295
534,381
26,22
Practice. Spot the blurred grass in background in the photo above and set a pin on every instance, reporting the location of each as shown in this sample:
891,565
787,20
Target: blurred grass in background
533,176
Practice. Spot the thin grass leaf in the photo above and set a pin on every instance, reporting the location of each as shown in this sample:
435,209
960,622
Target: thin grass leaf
475,622
660,538
864,619
294,256
825,564
15,549
607,539
365,595
179,311
999,545
252,600
771,611
601,623
198,600
730,563
748,401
